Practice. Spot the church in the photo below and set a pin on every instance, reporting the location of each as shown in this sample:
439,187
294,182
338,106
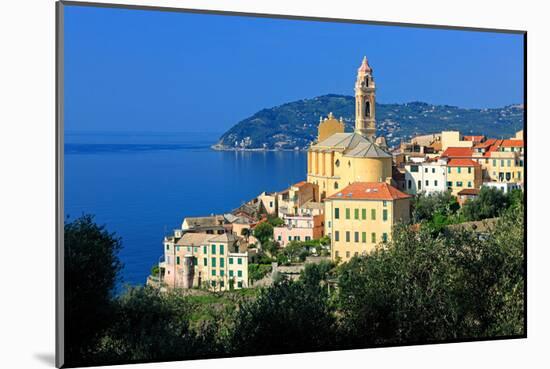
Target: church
338,158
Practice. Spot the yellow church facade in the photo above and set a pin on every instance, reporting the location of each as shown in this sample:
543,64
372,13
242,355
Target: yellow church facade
340,158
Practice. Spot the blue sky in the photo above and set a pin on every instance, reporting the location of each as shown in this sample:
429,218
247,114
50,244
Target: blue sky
137,70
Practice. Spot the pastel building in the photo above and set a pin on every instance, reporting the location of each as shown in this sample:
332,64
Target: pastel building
206,260
362,215
291,199
340,158
463,174
299,228
427,177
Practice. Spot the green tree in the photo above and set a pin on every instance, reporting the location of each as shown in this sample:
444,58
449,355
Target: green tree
275,221
488,204
91,273
263,232
425,206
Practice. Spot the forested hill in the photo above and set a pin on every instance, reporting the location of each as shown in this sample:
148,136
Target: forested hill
294,125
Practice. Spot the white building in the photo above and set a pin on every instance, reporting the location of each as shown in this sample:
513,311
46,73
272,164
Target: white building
428,177
503,186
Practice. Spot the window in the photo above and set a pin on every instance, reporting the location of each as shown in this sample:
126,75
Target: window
384,203
384,237
239,273
414,168
347,213
449,184
509,162
167,247
336,213
385,215
290,238
336,236
458,169
356,237
458,183
419,184
231,273
329,223
205,261
188,248
448,169
279,238
347,236
373,237
222,284
507,176
435,182
204,249
222,272
469,170
364,214
308,238
502,162
494,162
213,272
230,260
222,262
469,184
177,248
271,204
178,260
433,170
221,249
213,283
240,284
239,261
213,249
337,162
364,237
213,262
373,214
425,170
356,213
427,183
409,184
347,254
335,185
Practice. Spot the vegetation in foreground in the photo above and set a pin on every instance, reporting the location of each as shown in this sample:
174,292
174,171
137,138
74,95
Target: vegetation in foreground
423,286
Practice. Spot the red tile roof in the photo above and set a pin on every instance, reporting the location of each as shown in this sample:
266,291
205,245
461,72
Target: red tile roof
469,192
458,152
485,144
462,163
300,184
512,143
369,191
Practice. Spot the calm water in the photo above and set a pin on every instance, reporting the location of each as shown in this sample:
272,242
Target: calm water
142,185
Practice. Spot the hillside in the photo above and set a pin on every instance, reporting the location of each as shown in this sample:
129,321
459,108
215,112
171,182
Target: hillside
294,125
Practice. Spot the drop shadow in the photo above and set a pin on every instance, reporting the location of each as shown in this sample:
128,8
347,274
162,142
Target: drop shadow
46,358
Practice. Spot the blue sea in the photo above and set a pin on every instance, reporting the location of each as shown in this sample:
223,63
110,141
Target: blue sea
141,185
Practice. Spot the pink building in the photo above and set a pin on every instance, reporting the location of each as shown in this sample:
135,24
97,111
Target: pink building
299,228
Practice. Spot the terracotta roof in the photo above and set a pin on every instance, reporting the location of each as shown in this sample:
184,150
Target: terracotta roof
369,191
462,163
512,143
485,144
458,152
299,184
469,191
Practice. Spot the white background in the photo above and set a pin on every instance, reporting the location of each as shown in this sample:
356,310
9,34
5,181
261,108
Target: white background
27,65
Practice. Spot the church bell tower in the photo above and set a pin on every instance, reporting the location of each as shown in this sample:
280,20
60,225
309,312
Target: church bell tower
365,123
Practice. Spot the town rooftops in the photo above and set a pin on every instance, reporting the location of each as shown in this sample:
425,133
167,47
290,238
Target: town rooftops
203,222
458,152
462,163
474,138
299,184
194,239
225,237
369,191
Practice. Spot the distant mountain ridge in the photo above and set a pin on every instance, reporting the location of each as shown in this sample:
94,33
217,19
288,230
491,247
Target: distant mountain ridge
293,125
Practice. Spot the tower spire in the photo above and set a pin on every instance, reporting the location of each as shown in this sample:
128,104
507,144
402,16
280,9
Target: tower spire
365,100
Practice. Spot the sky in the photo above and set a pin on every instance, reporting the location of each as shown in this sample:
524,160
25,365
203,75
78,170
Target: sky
146,70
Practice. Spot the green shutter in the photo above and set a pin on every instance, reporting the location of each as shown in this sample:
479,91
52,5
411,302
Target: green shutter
222,262
364,237
213,249
356,213
213,262
373,237
230,260
239,273
373,214
347,213
385,215
364,214
239,261
336,213
221,250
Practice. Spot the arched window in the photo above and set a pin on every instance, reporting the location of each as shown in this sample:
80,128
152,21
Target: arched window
335,185
337,162
367,109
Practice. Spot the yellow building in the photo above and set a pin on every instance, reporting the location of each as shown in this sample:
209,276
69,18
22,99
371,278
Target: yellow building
462,174
362,215
339,158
